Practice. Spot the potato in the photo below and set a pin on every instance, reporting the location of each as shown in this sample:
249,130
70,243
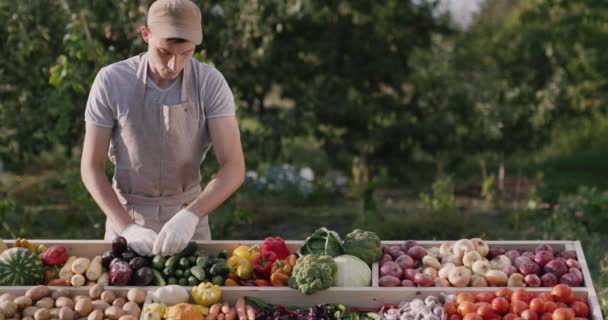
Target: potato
96,315
108,296
23,302
26,318
9,308
82,296
30,311
114,313
37,292
64,302
136,295
7,297
132,308
83,307
66,313
119,302
42,314
55,312
61,292
128,317
123,294
46,302
2,316
100,305
96,291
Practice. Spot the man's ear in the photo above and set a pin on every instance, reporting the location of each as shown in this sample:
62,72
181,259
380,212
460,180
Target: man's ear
145,33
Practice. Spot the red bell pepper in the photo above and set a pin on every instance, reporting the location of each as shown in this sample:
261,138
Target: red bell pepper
262,266
55,255
276,245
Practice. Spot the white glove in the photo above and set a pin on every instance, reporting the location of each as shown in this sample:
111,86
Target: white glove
176,233
140,239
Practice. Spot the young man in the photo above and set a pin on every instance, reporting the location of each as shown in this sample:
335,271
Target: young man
156,115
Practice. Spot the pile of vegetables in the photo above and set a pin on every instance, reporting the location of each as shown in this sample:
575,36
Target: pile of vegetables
428,309
328,261
268,311
42,303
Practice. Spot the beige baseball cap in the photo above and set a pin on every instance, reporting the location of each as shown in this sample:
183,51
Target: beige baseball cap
176,19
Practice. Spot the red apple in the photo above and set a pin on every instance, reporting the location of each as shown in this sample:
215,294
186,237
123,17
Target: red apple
548,280
544,247
532,280
543,257
391,268
556,266
406,262
512,254
417,252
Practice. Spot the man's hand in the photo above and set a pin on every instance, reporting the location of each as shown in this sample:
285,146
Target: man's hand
176,233
140,239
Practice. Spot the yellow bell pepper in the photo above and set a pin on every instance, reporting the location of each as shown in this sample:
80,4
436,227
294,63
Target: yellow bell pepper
204,310
159,308
242,267
249,253
206,294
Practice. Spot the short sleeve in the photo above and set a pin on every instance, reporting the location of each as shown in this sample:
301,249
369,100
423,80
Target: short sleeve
218,98
99,110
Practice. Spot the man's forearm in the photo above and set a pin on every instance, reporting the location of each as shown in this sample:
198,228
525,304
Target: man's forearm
101,190
229,178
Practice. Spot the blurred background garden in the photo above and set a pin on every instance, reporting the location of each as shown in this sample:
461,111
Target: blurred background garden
416,119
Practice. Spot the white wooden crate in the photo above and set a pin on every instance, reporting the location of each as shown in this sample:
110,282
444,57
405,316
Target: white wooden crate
365,297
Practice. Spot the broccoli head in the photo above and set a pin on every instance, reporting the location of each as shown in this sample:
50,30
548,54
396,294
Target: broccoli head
313,273
364,245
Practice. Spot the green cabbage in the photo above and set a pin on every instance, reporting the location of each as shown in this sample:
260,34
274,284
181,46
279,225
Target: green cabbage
352,272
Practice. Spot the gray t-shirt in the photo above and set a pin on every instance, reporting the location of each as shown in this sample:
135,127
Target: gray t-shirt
111,91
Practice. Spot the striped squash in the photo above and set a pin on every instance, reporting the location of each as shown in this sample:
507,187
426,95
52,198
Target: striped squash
20,267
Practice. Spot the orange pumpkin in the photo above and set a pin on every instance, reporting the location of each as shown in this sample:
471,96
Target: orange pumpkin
184,311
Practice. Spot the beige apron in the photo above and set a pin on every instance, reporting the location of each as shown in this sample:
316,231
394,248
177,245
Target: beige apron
157,152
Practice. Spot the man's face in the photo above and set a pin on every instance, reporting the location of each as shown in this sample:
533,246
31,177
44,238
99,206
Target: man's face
167,57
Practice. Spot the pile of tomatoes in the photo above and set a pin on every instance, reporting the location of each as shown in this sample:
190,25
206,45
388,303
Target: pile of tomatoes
558,304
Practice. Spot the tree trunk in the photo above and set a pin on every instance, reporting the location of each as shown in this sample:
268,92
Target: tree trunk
440,165
501,176
484,168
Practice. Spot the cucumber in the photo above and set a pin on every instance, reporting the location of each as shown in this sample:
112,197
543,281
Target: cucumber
158,262
172,262
182,281
221,268
179,273
223,254
159,280
187,273
198,272
219,280
172,280
192,260
192,281
202,261
167,272
184,263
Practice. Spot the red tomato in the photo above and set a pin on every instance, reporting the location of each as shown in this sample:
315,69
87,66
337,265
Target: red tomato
518,307
505,293
537,305
464,296
562,314
484,297
451,308
580,309
521,294
529,315
485,311
500,305
562,293
472,316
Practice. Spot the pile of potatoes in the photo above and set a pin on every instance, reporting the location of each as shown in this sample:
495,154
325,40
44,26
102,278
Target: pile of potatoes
39,303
